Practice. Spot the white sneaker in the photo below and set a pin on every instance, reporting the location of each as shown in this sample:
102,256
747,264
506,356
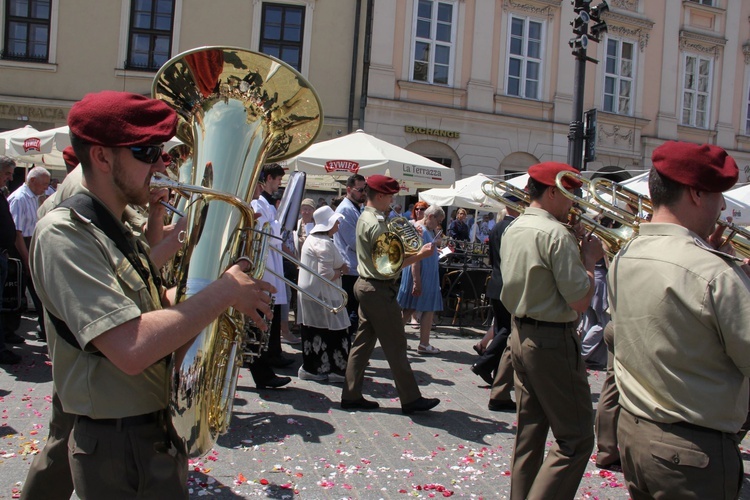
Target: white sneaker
335,378
427,349
305,375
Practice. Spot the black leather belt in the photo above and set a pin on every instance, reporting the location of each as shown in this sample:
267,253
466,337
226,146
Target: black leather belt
390,282
156,417
546,324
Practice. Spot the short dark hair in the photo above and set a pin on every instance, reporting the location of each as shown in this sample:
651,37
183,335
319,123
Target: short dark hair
271,170
81,149
353,180
535,189
663,190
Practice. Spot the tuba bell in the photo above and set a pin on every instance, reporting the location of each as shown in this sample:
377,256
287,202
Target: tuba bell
389,250
241,109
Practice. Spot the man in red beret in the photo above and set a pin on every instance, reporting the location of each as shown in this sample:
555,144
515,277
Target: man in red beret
379,312
110,325
682,328
547,281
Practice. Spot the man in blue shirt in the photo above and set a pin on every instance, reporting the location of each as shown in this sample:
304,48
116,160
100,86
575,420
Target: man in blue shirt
346,241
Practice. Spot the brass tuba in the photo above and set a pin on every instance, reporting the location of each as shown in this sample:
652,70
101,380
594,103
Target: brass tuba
241,109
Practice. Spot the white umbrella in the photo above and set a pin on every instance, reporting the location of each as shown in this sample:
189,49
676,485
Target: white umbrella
738,205
29,145
361,153
466,193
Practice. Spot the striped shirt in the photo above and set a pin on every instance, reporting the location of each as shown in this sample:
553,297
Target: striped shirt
23,206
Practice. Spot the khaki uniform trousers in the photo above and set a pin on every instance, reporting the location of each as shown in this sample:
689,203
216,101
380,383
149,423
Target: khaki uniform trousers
678,460
608,409
503,383
379,319
49,476
552,392
114,462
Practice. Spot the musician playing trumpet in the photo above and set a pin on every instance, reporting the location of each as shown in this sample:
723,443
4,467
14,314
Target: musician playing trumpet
547,281
682,317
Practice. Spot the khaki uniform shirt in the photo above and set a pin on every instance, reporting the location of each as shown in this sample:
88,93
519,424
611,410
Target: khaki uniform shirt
682,316
370,225
83,279
542,269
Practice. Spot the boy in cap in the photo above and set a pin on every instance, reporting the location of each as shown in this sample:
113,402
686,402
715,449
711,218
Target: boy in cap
110,325
682,316
379,312
545,287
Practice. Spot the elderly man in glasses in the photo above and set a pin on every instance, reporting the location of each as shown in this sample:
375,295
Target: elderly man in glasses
110,324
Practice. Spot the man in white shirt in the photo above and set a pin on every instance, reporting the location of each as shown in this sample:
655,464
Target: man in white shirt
24,203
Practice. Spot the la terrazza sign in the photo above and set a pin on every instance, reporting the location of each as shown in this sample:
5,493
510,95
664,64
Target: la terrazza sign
410,129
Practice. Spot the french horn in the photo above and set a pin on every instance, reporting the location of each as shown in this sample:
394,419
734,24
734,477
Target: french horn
389,250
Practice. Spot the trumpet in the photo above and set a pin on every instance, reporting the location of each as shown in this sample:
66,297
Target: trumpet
639,207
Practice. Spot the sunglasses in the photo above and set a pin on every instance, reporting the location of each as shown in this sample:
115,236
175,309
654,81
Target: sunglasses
419,209
146,154
359,190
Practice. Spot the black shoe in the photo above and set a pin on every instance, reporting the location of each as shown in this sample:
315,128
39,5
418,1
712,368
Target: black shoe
273,383
508,405
14,338
359,404
487,377
9,358
280,362
421,404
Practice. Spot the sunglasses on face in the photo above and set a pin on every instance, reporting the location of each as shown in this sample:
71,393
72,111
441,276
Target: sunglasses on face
359,190
146,154
419,209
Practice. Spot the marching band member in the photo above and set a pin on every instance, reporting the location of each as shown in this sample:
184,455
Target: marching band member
545,286
379,313
682,314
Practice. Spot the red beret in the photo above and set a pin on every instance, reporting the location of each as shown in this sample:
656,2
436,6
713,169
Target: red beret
383,184
69,157
701,166
119,119
546,172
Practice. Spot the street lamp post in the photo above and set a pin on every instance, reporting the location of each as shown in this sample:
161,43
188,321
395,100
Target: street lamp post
585,13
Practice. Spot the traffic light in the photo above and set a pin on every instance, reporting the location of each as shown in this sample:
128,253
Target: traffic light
585,13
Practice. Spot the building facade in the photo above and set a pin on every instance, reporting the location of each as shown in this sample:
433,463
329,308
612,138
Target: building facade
478,85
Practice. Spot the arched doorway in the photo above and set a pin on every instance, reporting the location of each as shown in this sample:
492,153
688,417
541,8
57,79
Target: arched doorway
516,164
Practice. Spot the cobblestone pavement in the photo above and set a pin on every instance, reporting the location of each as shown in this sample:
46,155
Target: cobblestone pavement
297,442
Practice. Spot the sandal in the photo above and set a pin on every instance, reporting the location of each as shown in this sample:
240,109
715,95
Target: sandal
427,349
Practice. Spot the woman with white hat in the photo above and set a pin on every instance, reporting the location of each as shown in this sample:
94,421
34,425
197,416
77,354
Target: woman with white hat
325,339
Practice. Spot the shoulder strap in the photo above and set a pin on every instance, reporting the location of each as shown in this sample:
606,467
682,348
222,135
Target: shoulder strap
94,211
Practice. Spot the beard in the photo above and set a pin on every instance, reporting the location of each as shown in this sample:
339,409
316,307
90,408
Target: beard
133,195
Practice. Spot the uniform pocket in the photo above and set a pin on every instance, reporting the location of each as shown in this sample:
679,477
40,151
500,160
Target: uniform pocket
677,455
541,343
82,443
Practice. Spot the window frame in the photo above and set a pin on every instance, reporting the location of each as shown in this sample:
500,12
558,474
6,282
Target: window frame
309,6
524,58
683,91
618,78
151,32
707,3
282,43
50,23
432,42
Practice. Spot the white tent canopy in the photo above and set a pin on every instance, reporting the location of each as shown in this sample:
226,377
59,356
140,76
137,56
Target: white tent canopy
29,145
361,153
465,193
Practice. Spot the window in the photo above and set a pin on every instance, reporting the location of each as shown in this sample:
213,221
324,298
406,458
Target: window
711,3
696,91
434,34
150,36
618,77
282,31
27,30
524,58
